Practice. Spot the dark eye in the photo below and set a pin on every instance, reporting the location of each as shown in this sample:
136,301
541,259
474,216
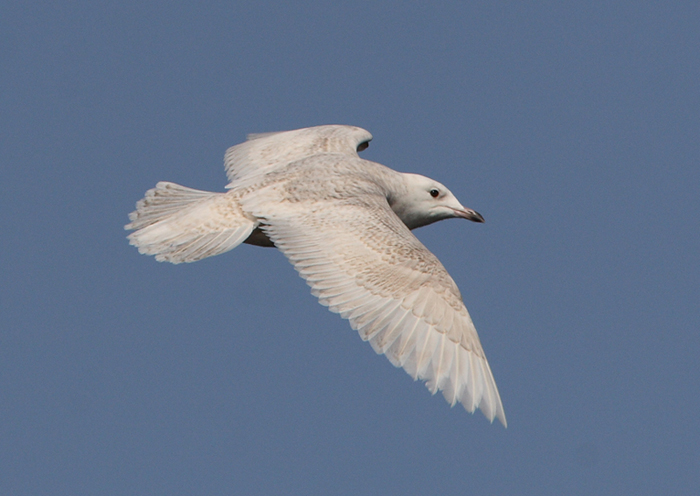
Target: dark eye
362,146
434,193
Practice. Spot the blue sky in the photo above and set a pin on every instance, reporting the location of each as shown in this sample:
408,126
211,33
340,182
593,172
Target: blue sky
573,127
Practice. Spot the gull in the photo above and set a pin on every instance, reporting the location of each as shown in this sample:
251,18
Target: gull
345,225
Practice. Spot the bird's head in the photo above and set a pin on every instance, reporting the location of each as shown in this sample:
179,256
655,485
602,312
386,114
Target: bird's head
425,201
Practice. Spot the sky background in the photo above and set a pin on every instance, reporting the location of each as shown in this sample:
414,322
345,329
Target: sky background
573,127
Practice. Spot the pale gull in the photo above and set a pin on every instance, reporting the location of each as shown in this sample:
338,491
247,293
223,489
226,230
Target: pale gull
344,223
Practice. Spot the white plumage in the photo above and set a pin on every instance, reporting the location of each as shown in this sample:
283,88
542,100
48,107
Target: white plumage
344,223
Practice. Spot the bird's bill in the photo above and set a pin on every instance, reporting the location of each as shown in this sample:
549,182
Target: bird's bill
469,214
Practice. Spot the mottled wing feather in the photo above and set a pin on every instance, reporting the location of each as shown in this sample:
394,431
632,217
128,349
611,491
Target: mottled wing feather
364,264
265,152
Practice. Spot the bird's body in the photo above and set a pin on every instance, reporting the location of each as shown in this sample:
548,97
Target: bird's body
344,223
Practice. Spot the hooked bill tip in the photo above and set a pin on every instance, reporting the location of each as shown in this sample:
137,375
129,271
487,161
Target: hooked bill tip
469,214
477,217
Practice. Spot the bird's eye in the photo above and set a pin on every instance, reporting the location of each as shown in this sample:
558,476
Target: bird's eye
362,146
434,193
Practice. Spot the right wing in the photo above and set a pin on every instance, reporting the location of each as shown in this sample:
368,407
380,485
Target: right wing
363,263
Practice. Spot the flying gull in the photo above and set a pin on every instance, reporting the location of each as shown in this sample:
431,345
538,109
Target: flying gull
345,224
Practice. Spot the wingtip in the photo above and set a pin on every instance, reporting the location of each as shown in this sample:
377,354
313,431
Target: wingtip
502,419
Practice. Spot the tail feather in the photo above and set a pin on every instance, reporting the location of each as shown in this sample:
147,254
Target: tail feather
179,224
163,201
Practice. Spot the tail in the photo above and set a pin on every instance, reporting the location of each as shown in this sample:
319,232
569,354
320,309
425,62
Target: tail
179,224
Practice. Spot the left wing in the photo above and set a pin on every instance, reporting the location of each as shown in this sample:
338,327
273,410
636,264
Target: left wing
265,152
